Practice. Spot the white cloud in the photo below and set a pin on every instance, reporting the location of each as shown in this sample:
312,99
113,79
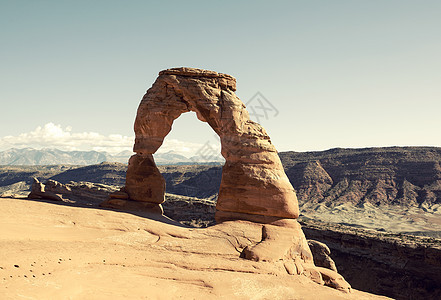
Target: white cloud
55,136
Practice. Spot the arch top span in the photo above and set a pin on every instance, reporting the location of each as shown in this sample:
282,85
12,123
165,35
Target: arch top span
254,185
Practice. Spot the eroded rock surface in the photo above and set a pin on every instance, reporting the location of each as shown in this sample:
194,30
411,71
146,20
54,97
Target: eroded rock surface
51,190
322,255
74,192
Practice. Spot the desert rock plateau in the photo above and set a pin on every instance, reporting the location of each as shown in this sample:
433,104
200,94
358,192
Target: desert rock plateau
59,251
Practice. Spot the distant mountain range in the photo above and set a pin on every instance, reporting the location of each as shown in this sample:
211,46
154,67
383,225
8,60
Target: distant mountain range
51,156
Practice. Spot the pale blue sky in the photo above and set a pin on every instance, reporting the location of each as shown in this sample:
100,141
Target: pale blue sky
340,73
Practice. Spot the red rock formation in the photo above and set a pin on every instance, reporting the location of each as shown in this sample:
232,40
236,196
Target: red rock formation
254,185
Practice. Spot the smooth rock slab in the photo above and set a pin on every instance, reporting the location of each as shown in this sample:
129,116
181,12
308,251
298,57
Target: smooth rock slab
83,253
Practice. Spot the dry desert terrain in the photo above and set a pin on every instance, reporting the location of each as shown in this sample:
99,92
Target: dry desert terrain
59,251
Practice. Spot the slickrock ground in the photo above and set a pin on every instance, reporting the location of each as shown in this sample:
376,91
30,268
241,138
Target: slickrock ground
59,251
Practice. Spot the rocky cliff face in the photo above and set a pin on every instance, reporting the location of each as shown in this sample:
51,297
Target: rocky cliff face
395,265
379,176
397,176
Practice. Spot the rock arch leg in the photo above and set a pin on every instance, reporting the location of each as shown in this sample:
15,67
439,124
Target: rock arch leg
144,189
144,182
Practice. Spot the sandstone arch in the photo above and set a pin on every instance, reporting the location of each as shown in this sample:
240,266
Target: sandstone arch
254,185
